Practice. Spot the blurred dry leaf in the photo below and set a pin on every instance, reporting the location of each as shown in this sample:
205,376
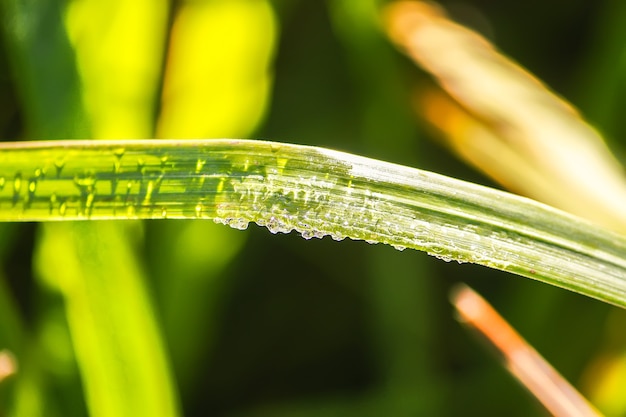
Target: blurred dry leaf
524,362
8,364
504,121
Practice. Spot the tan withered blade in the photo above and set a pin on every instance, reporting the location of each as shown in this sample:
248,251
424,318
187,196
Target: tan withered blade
504,121
8,364
528,366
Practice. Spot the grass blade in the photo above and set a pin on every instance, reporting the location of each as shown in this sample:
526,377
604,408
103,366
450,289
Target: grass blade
316,192
116,338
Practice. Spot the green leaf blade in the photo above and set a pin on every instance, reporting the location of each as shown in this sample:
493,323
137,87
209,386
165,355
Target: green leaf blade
316,192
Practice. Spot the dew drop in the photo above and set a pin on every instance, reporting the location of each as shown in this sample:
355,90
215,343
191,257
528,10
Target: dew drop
337,236
399,247
220,185
17,183
149,191
198,210
119,152
445,258
58,165
164,212
85,182
239,224
272,225
2,182
32,186
63,208
275,225
89,201
141,166
117,165
53,201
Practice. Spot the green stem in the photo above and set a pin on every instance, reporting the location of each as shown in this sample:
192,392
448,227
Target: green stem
316,192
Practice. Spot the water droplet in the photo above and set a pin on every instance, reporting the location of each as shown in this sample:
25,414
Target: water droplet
239,224
149,190
53,201
164,212
220,185
63,208
17,183
117,165
164,160
59,164
141,166
275,225
119,152
89,202
445,258
32,186
17,187
2,182
85,181
198,210
399,247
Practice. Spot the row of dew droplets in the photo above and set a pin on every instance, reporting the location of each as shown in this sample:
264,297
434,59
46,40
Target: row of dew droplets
257,192
137,190
314,206
152,175
143,176
245,188
19,191
283,199
294,203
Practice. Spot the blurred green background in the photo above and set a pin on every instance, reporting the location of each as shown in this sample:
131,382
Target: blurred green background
191,318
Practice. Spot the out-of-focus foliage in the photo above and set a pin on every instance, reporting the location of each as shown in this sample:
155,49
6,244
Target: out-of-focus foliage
198,319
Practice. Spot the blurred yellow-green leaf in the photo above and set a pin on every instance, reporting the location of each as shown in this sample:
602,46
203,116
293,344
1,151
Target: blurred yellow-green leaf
218,75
